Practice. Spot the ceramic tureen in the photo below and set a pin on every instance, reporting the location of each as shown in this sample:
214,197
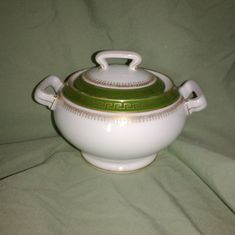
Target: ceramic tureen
119,116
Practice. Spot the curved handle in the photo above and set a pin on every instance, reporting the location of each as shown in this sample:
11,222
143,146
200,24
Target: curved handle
44,98
102,56
194,104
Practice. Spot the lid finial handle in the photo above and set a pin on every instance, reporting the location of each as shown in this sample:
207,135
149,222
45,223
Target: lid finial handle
101,58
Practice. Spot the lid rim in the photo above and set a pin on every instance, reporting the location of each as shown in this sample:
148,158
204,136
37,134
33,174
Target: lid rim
129,105
109,112
160,94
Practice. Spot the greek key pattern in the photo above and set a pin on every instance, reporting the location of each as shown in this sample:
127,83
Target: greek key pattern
113,84
142,117
125,106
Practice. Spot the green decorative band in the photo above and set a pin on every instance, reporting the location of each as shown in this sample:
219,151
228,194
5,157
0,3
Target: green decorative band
80,85
132,100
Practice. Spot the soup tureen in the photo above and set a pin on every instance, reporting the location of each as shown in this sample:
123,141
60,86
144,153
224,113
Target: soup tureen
119,116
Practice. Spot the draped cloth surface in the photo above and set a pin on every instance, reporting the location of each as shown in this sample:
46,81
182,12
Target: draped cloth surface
47,188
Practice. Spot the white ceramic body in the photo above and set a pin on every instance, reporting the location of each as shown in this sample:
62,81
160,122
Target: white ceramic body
122,142
119,141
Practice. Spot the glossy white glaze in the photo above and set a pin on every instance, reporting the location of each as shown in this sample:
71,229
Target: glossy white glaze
117,142
101,58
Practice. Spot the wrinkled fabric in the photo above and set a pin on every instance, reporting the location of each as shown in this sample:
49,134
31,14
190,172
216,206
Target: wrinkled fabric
47,188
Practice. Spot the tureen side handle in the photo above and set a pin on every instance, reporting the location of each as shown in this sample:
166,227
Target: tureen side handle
42,96
196,103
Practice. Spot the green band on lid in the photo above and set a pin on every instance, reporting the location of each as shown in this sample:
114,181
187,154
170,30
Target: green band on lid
147,98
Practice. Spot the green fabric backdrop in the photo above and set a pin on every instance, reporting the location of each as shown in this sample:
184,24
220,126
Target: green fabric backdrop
47,188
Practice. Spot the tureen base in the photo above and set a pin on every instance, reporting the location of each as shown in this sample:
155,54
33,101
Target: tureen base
119,165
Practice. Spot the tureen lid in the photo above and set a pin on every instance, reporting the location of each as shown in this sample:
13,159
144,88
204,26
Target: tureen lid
119,87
